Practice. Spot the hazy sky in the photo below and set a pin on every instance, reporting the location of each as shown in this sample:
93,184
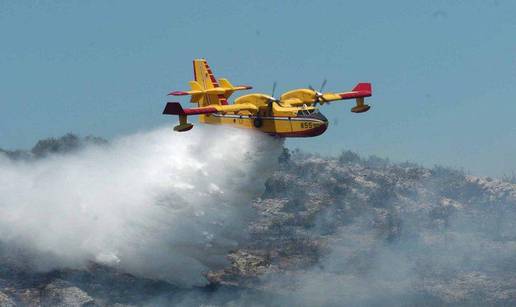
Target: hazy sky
443,72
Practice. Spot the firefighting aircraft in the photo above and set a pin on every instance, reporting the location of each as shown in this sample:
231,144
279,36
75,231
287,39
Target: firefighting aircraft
293,114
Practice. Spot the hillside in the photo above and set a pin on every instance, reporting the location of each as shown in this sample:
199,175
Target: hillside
325,231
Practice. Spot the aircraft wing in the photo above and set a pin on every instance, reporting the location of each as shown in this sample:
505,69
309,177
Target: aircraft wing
175,108
309,96
361,90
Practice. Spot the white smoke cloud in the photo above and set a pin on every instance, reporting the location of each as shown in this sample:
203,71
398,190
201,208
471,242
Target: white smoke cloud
159,204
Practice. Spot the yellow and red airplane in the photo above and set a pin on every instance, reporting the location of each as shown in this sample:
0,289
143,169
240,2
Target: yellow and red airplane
294,114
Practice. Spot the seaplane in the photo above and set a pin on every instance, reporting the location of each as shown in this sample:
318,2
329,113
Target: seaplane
294,114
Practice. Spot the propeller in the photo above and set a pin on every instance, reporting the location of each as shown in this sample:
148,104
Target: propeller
274,88
319,96
272,98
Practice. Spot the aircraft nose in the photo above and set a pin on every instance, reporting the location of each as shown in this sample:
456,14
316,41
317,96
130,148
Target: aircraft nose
320,117
323,120
323,124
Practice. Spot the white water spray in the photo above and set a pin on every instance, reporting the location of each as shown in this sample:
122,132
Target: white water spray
159,204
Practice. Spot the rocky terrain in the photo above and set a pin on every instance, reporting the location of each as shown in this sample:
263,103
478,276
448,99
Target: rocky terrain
330,231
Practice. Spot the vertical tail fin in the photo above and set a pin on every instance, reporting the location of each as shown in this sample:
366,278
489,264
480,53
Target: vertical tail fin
205,78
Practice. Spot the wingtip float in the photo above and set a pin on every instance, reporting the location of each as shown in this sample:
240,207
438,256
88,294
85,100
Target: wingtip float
294,114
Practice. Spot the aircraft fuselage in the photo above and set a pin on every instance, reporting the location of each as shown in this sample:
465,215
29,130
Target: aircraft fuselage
305,125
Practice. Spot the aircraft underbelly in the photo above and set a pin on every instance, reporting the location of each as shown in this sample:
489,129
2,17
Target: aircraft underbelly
278,126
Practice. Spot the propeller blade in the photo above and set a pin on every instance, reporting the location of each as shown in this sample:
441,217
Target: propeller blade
274,88
323,85
316,94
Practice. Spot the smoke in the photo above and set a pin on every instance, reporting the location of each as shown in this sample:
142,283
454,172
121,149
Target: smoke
458,266
395,236
444,253
157,204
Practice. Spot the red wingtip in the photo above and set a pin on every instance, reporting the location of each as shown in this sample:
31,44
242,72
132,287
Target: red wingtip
173,108
360,90
363,87
177,93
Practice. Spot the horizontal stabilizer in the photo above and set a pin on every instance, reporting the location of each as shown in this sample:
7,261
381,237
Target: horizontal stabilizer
178,93
224,83
211,91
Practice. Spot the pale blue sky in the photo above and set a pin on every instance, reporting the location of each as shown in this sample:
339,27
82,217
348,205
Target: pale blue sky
443,72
